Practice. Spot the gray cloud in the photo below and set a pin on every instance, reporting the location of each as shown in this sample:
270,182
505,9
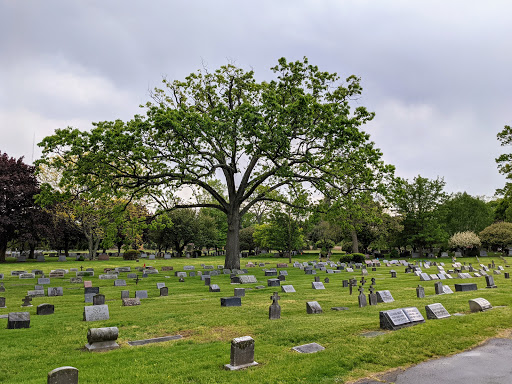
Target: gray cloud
436,73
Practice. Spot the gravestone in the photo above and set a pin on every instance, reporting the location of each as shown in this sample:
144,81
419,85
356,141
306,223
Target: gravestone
45,309
43,280
393,274
141,294
160,285
308,348
239,292
96,313
127,302
312,307
76,280
344,283
479,305
119,283
206,280
436,311
372,296
242,353
164,291
274,311
102,339
55,291
420,292
361,298
98,299
63,375
490,282
91,290
424,277
125,294
399,318
438,287
17,320
214,288
2,302
88,297
27,301
447,289
288,289
317,285
384,297
465,287
230,302
273,283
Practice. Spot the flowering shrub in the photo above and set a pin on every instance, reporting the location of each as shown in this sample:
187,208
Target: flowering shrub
466,239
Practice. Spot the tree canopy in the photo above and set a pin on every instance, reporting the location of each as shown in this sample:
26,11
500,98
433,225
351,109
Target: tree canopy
256,137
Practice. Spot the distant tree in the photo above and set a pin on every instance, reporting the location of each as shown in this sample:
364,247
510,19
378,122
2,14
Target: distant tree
18,186
464,240
462,212
418,203
504,161
247,239
497,235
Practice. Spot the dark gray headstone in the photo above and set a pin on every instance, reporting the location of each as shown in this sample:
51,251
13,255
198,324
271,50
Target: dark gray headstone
55,291
125,294
16,320
98,299
420,292
230,302
242,353
45,309
239,292
91,290
273,283
465,287
214,288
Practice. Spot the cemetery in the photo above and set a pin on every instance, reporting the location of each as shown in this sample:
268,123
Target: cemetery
156,329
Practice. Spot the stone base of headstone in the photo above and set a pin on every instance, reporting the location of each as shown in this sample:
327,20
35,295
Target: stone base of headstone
230,302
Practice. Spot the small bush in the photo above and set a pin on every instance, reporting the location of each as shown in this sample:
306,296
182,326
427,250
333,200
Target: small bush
354,258
131,254
394,254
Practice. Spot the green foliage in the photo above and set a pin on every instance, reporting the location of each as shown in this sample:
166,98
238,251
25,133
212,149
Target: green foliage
497,234
256,137
247,242
462,212
352,258
417,203
131,254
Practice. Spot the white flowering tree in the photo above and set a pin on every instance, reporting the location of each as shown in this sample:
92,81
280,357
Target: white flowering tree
465,240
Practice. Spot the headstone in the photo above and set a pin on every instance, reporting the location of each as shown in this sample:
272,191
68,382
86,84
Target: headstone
313,307
317,285
45,309
384,297
372,296
361,298
274,311
438,287
2,302
490,282
141,294
242,353
96,313
102,339
43,280
55,291
436,311
119,283
479,305
27,301
214,288
465,287
17,320
98,299
230,302
239,292
447,289
288,288
63,375
308,348
125,294
273,283
164,291
131,302
91,290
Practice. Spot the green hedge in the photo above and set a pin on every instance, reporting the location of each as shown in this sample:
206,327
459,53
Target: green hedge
352,257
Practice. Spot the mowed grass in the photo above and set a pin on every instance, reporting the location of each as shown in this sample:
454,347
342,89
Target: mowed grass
27,355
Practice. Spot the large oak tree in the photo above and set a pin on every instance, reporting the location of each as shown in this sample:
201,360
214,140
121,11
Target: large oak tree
297,128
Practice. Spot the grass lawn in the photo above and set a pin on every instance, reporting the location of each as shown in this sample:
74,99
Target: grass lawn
27,355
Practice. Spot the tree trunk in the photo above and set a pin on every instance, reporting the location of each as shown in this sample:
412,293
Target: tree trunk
3,249
32,247
232,260
355,243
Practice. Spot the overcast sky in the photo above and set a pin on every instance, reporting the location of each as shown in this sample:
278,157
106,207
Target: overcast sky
436,73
